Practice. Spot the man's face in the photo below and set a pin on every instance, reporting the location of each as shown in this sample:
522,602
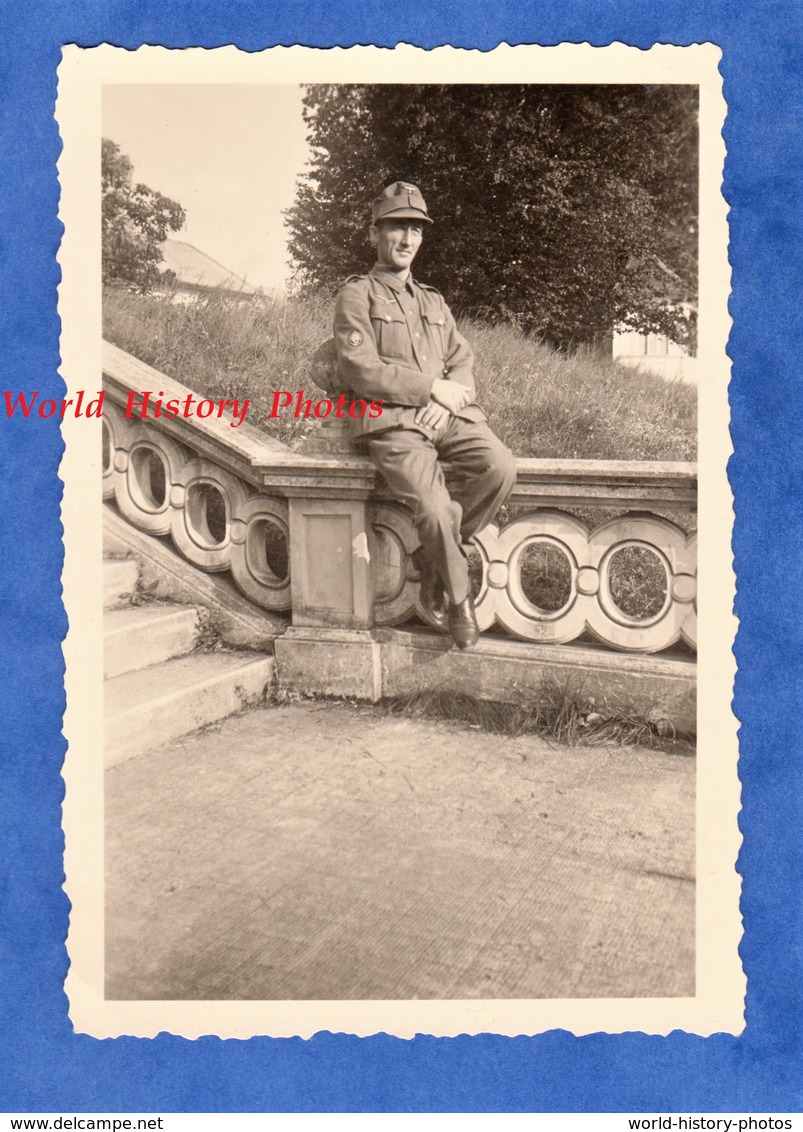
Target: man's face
397,242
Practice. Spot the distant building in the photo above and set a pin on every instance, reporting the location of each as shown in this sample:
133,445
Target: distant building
191,273
655,353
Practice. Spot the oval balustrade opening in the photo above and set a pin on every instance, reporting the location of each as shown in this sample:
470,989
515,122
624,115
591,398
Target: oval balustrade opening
206,514
106,456
268,553
637,582
476,568
148,478
546,576
389,564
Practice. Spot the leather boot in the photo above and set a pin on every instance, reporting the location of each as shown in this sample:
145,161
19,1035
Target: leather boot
462,622
433,596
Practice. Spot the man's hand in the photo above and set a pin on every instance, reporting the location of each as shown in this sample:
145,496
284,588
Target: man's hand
451,394
433,415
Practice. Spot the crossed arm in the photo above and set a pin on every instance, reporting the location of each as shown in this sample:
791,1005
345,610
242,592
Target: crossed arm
446,398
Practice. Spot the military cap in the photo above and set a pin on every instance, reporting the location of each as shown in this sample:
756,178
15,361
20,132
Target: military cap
400,200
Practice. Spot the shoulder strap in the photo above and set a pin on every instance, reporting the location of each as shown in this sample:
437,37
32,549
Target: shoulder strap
352,279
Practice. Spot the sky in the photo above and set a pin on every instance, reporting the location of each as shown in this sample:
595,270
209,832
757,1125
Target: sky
228,154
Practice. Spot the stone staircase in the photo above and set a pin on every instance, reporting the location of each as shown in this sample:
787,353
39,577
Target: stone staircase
157,688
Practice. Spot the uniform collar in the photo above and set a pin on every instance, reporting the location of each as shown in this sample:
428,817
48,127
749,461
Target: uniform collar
390,278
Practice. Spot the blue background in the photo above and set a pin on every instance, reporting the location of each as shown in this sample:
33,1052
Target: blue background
44,1066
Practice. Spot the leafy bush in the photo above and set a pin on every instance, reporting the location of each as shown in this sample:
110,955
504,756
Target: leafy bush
135,220
568,208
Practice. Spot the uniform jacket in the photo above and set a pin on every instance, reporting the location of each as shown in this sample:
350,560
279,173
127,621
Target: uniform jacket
393,339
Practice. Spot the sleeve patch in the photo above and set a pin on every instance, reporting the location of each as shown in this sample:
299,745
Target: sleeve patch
355,338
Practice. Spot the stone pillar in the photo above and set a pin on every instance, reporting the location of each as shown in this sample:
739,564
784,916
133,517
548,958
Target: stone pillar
331,562
330,647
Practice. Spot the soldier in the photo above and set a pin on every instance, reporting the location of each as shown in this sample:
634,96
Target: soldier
397,342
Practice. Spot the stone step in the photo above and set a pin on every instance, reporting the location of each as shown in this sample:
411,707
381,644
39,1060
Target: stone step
139,636
119,581
166,575
146,709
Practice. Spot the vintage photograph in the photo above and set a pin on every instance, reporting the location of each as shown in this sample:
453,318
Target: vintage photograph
406,403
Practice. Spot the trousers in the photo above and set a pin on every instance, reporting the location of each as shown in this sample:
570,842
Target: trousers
412,466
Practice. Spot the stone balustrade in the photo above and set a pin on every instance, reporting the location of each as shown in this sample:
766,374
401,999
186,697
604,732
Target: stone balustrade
575,566
209,504
233,499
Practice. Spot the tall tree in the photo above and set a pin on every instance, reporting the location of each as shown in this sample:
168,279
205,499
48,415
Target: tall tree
567,209
135,222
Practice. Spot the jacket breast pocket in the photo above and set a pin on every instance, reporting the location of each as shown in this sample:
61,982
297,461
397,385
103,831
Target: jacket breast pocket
390,328
435,324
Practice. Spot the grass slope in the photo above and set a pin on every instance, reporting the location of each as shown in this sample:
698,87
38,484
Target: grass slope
540,402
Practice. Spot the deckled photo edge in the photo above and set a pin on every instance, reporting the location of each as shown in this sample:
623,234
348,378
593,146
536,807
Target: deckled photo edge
718,1005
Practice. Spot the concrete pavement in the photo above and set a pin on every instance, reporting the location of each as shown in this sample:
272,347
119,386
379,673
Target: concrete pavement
328,851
